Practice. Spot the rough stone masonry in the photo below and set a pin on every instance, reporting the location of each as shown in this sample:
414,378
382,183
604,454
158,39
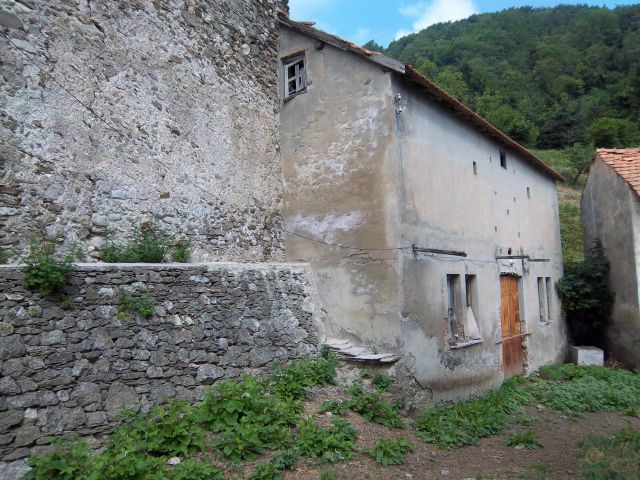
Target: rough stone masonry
175,118
73,370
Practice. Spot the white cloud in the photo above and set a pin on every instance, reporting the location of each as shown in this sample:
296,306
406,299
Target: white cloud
435,11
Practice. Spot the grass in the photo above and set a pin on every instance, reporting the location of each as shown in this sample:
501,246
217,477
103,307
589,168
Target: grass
611,458
526,440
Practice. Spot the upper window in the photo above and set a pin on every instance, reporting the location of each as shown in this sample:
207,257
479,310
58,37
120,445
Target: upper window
295,76
503,159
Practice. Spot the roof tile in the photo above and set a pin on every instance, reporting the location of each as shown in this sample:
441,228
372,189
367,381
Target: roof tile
626,162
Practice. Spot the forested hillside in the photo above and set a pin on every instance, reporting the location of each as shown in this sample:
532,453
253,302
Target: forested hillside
564,78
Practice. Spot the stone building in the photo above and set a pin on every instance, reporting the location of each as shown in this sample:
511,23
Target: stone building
116,113
610,208
431,234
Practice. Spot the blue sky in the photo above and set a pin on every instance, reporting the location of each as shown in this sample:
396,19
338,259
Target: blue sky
384,20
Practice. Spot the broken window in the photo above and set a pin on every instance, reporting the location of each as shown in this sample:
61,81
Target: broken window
471,330
295,76
503,159
548,292
543,303
454,307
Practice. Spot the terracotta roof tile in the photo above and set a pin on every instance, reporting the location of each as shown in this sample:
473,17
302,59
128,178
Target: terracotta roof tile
626,162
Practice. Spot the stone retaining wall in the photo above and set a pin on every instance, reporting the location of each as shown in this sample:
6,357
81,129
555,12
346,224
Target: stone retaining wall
73,370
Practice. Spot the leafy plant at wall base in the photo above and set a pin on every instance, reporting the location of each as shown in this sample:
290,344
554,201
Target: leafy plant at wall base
46,268
390,452
247,417
373,408
286,459
586,297
291,382
166,430
69,461
191,469
266,471
524,440
333,444
5,255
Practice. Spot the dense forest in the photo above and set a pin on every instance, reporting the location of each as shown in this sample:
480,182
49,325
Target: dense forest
559,80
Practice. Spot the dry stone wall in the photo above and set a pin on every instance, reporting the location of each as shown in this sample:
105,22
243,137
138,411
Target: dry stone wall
175,119
73,370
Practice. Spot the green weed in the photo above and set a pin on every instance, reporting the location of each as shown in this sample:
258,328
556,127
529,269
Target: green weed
69,461
266,471
291,382
524,440
47,268
149,244
373,408
334,406
390,452
144,305
333,444
286,459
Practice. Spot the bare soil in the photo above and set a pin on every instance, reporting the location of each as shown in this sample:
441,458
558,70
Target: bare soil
491,458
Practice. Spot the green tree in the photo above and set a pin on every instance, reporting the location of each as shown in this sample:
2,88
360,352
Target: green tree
612,132
373,46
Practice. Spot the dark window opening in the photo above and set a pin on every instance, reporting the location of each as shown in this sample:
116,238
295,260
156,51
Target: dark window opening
528,192
475,168
503,159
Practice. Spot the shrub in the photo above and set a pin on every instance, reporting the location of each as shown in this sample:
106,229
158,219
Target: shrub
5,255
333,444
180,251
586,297
334,406
149,244
46,268
390,452
526,440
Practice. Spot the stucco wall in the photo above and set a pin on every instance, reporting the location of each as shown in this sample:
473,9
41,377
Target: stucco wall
337,150
448,206
186,91
611,212
359,174
72,371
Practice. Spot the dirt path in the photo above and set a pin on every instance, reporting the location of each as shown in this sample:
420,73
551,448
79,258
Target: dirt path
491,458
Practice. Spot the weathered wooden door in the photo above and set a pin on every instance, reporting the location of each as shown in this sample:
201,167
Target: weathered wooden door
511,326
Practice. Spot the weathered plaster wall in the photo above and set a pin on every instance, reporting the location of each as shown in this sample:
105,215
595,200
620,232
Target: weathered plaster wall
73,370
611,212
187,95
337,151
447,206
358,174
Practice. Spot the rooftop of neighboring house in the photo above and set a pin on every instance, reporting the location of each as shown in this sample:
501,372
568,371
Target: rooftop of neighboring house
625,162
430,89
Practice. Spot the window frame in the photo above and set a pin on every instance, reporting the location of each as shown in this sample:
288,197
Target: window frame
301,79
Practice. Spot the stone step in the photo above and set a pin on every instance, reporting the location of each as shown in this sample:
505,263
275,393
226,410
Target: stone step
349,352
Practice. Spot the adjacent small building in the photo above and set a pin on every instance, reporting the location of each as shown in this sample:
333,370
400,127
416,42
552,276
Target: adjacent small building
611,212
431,234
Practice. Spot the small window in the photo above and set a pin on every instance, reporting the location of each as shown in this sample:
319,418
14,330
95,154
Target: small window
528,192
295,76
472,314
503,159
475,168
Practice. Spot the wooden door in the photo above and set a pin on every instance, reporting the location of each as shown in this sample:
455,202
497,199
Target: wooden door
511,326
